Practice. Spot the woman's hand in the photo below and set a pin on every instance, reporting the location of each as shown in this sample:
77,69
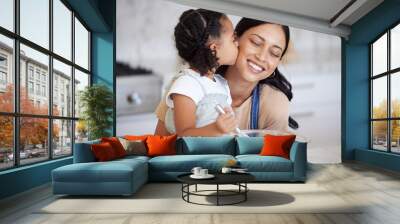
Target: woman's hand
227,122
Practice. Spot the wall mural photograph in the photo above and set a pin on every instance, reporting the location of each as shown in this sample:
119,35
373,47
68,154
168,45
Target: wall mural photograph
199,111
162,51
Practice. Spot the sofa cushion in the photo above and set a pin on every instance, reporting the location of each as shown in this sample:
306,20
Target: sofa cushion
103,152
249,145
161,145
185,163
83,152
134,147
206,145
257,163
116,145
111,171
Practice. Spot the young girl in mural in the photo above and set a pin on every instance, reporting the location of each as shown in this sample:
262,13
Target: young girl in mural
205,40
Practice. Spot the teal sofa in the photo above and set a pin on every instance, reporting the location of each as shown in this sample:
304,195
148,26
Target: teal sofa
125,176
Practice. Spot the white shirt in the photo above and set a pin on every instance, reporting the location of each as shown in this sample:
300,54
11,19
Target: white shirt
195,86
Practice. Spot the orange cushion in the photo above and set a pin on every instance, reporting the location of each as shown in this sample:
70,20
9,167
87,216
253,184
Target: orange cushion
103,151
161,145
277,145
116,145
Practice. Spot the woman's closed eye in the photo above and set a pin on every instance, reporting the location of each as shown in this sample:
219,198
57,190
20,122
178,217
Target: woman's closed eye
255,42
276,54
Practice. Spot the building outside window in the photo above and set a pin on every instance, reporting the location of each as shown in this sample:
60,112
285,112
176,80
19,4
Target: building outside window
38,89
3,70
3,61
30,87
37,74
385,91
30,72
43,90
3,78
44,77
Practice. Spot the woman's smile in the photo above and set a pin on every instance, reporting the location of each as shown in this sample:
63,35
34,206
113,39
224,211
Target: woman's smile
254,67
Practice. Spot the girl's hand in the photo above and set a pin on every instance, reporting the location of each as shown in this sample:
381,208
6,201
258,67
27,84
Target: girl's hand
226,123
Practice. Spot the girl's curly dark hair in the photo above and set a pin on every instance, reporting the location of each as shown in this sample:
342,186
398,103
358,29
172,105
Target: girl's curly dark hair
192,35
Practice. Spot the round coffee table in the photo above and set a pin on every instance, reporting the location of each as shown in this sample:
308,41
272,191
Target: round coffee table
238,179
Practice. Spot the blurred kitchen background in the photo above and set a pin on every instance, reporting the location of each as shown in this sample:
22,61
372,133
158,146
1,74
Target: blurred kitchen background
147,59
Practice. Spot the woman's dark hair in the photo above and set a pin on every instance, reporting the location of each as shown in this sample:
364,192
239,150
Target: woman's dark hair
277,80
192,34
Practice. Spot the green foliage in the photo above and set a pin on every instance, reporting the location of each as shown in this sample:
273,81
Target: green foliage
96,102
380,127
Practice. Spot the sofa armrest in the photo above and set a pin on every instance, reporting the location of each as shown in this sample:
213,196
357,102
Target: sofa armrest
298,155
83,152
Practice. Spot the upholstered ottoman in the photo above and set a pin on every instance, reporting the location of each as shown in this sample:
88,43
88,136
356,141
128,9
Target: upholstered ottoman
119,177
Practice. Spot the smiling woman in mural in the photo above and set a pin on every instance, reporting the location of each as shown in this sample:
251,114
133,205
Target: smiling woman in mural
260,93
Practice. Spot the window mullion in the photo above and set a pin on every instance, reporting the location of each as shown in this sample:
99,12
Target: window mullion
389,106
50,87
16,84
73,82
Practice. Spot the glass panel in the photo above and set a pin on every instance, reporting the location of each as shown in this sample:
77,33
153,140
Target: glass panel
35,21
379,135
81,81
33,139
62,138
6,142
395,94
34,79
379,55
6,74
62,29
81,131
7,14
379,100
395,136
81,45
395,47
62,89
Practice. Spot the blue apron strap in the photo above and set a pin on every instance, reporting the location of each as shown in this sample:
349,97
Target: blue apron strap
255,102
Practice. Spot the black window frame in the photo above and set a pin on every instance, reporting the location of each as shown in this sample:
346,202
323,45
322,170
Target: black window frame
388,74
16,115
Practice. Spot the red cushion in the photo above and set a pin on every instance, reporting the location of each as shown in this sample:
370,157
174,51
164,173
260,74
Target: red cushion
277,145
103,151
116,145
161,145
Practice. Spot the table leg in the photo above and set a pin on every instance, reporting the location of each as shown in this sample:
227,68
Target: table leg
245,193
196,188
217,194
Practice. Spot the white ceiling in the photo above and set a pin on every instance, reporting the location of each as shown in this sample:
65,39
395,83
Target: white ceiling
321,9
315,15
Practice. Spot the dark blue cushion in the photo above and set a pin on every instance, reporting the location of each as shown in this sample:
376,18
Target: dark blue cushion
257,163
206,145
249,145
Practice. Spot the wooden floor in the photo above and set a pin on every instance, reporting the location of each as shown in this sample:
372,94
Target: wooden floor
378,188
